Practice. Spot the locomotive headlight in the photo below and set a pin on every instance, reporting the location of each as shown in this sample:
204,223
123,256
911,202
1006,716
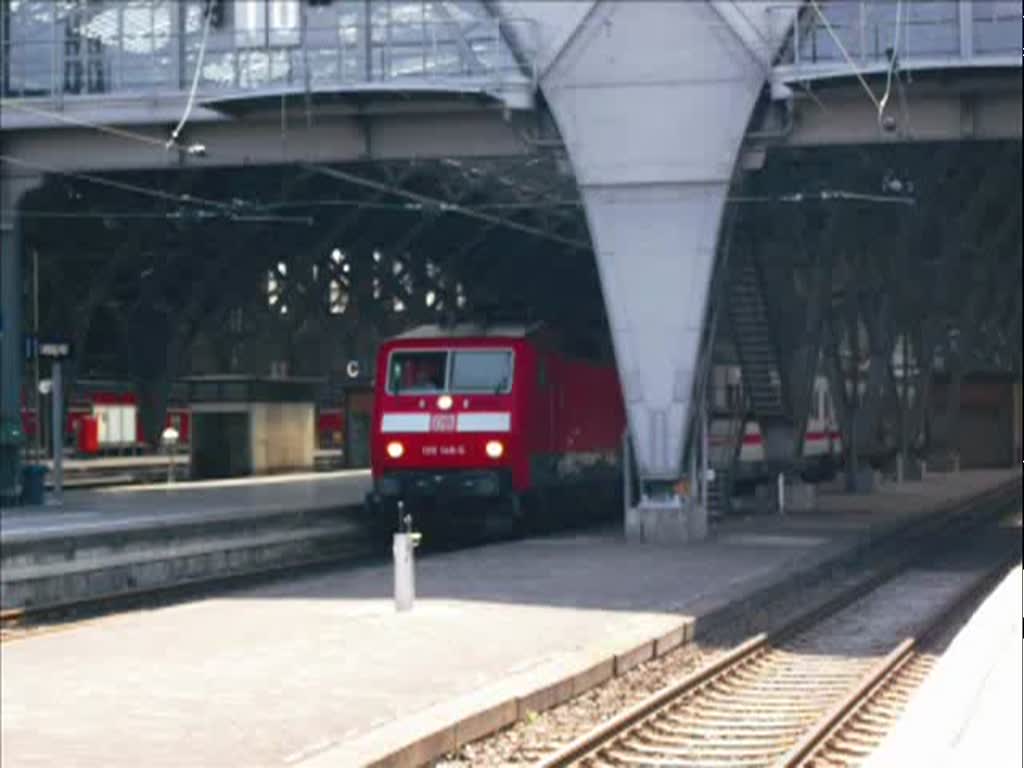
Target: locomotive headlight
395,449
494,449
444,402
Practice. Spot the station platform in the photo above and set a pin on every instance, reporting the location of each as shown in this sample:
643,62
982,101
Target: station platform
321,670
969,710
135,469
111,541
133,506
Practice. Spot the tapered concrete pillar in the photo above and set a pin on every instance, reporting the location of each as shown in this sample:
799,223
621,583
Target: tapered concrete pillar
652,100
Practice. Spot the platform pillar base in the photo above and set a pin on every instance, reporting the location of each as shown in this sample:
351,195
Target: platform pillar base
797,496
800,496
666,522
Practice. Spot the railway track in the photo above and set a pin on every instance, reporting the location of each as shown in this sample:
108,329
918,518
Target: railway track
856,726
822,691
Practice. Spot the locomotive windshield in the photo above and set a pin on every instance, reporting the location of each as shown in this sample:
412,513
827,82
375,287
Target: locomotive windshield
417,372
480,371
463,370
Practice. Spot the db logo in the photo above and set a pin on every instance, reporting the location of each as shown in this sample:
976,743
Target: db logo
442,422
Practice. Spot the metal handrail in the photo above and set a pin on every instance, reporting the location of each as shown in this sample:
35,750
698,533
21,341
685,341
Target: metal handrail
484,54
867,35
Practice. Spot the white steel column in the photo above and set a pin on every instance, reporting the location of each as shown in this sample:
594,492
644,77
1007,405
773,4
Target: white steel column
652,100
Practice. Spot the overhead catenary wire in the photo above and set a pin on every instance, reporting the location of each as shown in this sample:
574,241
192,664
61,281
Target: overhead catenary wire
824,195
168,216
444,205
64,118
184,198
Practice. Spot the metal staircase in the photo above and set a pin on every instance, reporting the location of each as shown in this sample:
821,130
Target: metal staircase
726,438
727,407
759,360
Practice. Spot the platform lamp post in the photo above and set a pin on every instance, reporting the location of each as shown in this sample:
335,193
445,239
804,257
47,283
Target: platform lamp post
35,356
57,424
57,351
169,437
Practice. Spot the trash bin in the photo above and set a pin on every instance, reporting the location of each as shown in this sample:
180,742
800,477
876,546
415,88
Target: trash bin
33,483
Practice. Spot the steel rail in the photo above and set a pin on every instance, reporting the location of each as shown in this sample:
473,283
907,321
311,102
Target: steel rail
815,740
601,737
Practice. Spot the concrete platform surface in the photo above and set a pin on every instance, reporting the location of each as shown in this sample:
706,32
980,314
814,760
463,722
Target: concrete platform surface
131,507
322,671
969,710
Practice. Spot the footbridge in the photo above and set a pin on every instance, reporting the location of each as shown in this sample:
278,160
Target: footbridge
653,111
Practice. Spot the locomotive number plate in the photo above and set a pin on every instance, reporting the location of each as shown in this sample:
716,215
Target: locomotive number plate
442,422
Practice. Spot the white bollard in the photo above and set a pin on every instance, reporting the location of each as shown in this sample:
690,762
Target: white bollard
170,438
405,575
782,493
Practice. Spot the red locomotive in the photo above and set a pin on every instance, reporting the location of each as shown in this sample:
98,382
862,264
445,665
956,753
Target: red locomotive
503,414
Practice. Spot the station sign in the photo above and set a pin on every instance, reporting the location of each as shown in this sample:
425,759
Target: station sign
54,349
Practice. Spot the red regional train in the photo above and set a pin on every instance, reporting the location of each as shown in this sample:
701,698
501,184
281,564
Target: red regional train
103,417
504,414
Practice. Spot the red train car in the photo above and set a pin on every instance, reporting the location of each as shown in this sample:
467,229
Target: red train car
501,414
113,408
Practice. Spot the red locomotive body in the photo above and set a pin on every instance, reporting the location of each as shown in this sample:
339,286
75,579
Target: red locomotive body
499,413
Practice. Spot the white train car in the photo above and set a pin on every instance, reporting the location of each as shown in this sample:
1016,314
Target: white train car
822,445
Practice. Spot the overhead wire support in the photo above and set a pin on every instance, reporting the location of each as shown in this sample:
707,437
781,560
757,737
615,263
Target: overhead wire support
173,140
893,54
893,58
846,54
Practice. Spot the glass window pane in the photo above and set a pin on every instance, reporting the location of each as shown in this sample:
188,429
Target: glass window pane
324,66
997,25
31,60
405,63
480,371
417,372
254,68
933,28
218,69
284,22
250,22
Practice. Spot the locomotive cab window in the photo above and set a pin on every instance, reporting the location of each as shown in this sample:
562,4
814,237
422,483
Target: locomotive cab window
417,372
482,371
